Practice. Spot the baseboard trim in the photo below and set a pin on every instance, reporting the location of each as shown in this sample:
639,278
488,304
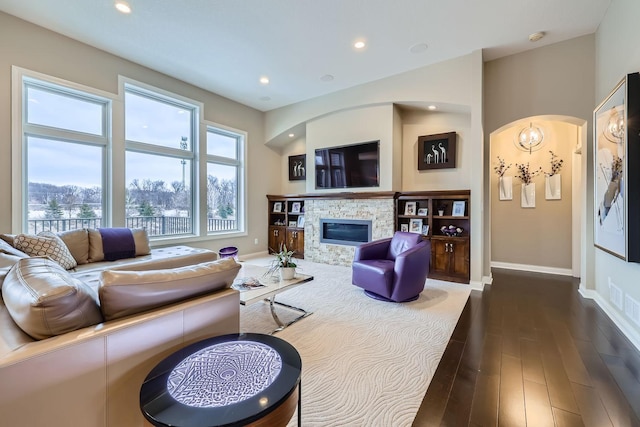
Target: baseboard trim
254,255
616,317
533,268
476,285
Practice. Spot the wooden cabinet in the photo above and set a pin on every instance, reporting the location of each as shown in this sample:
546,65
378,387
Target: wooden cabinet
286,224
442,217
450,259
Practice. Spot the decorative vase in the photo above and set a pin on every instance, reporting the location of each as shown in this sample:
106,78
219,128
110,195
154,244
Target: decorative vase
287,273
441,212
506,188
528,196
553,187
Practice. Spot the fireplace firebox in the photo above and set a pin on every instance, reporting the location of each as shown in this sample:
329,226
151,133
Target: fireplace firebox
345,231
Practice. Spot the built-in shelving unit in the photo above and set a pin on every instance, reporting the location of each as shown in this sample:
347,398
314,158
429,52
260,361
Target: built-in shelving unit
286,224
426,213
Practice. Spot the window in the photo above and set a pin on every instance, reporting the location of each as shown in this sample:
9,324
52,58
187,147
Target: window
160,133
225,150
64,141
161,170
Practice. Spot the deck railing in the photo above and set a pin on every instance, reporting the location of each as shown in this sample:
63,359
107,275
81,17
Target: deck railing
155,225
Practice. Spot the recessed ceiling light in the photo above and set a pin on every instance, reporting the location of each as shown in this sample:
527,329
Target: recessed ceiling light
291,135
264,80
418,48
536,36
123,7
327,78
359,44
432,107
265,98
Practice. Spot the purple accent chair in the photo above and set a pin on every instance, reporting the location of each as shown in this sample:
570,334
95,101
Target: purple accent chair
393,269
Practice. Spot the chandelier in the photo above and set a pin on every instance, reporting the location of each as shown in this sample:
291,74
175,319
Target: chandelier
529,139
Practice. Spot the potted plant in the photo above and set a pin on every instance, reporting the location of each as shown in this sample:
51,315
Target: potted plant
441,208
284,263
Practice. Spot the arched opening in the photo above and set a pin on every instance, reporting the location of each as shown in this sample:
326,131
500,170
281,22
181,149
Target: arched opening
537,227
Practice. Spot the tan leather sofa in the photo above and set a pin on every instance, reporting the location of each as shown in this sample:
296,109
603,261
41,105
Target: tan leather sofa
92,376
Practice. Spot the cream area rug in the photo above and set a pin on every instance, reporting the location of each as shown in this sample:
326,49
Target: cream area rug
364,362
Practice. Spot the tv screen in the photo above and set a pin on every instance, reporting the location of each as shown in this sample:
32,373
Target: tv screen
356,165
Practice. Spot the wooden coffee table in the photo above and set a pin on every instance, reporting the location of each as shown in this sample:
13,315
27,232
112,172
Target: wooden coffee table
272,285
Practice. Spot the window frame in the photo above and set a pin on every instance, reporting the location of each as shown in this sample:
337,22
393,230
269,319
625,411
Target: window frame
195,107
22,78
241,176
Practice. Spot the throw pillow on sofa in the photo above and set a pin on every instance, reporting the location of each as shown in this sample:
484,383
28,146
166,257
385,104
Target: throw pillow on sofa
45,300
46,244
77,242
123,293
96,249
8,257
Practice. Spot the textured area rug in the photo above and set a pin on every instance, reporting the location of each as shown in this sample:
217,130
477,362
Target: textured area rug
364,362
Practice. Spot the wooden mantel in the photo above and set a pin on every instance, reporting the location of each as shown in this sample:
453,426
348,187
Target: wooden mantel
343,195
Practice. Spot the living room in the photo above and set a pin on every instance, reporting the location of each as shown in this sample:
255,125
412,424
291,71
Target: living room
563,81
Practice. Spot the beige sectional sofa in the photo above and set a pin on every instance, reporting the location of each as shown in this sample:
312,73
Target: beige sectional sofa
157,302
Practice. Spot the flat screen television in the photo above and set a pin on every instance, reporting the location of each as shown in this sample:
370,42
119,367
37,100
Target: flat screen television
356,165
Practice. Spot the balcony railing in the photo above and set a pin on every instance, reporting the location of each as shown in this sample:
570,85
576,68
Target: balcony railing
155,225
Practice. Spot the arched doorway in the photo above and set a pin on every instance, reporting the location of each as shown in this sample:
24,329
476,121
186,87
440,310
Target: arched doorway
539,230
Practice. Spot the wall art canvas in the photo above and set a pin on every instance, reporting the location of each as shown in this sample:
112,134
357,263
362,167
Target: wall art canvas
437,151
616,168
297,167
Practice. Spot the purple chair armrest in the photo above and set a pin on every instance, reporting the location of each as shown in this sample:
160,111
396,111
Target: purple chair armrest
373,250
413,264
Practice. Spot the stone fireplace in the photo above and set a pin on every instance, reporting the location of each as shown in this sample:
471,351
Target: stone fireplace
378,208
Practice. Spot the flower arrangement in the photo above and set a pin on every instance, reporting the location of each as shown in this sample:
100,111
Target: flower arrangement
502,167
451,230
283,259
525,174
556,164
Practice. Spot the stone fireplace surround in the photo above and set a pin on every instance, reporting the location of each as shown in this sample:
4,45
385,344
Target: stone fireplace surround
379,207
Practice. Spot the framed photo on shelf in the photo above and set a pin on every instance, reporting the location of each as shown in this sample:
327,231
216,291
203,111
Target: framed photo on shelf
410,208
297,167
425,229
437,151
423,212
404,228
617,171
415,226
293,223
277,206
295,207
458,208
301,221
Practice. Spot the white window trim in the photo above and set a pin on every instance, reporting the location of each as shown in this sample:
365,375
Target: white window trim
241,163
18,160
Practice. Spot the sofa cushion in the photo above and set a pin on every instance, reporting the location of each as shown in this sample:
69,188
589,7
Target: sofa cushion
96,251
77,242
123,293
45,300
46,244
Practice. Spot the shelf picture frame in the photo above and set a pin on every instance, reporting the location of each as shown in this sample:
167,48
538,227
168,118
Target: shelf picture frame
298,167
616,157
277,207
458,208
293,223
437,151
425,229
300,222
404,228
423,212
410,208
415,226
295,207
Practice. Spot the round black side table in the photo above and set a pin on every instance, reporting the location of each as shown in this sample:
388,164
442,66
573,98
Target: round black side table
230,380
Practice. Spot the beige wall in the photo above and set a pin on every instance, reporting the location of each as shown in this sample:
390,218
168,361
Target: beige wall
552,80
539,237
28,46
617,53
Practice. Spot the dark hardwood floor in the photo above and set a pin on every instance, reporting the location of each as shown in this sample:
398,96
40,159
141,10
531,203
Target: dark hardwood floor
530,351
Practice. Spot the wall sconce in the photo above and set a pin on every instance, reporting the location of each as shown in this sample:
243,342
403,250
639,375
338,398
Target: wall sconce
529,139
614,131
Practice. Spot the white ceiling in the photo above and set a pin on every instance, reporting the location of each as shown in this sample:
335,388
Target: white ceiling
225,46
